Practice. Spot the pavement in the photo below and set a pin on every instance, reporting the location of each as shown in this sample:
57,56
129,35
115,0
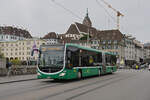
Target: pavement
18,78
121,85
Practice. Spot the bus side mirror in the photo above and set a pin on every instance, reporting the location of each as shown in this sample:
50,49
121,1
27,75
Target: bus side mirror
32,53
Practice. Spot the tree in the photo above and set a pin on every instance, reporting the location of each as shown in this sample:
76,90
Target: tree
85,37
1,54
16,62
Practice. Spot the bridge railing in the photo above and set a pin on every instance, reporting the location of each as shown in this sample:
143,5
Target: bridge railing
18,70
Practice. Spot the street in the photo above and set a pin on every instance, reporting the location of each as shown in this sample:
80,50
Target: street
121,85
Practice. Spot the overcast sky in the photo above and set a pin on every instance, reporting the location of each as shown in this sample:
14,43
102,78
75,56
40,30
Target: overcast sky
43,16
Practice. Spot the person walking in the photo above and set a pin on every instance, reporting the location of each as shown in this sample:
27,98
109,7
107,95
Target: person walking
8,67
137,67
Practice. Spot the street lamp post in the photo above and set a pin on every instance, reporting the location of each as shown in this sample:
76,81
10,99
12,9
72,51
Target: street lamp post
88,36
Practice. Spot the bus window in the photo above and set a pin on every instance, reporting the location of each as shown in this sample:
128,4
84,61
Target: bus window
90,58
113,60
72,57
98,59
108,59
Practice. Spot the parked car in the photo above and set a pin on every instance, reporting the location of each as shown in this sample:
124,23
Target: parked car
149,67
121,67
143,66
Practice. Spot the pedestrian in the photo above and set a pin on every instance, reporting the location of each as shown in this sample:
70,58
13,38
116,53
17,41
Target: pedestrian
7,63
137,67
8,67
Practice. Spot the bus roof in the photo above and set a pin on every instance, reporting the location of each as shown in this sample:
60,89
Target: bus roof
87,48
79,46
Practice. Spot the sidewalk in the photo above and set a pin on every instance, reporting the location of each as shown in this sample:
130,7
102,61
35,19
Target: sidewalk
18,78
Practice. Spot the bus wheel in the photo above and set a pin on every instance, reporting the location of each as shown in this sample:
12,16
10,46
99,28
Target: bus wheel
99,72
79,75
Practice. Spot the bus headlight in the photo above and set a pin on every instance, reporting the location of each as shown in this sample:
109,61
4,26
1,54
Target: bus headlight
38,74
62,74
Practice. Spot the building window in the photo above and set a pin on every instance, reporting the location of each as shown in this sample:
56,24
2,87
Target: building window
115,41
28,42
115,46
103,47
109,47
27,58
28,48
104,42
28,53
109,41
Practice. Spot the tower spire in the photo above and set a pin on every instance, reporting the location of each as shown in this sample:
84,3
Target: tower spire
87,20
87,13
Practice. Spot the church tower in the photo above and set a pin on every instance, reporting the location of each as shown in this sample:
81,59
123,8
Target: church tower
87,20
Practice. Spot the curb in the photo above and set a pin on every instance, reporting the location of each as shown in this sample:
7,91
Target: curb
18,81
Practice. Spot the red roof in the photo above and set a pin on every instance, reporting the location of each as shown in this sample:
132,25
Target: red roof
15,31
110,35
77,28
51,35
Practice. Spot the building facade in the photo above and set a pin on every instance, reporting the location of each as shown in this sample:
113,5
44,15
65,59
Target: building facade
20,49
9,33
51,38
112,41
139,51
130,54
147,50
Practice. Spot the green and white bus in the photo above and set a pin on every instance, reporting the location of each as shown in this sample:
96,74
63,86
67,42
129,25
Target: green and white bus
71,61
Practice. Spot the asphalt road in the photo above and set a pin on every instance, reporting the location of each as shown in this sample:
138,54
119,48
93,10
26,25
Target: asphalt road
122,85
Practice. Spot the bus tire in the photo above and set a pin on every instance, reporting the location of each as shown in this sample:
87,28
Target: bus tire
111,70
79,75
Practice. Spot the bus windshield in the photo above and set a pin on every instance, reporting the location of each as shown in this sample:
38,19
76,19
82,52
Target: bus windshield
51,58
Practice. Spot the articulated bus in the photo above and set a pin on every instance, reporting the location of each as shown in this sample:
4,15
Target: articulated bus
71,61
